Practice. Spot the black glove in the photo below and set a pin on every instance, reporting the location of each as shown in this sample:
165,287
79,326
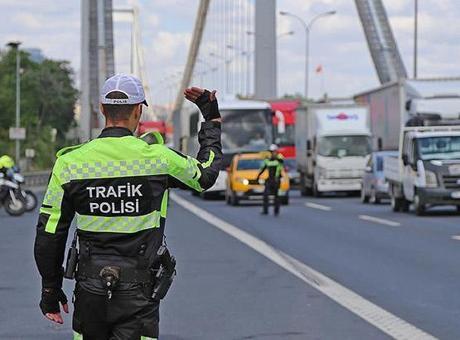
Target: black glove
209,109
50,300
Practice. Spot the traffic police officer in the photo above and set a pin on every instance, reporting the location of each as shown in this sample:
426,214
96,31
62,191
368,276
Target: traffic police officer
117,188
274,166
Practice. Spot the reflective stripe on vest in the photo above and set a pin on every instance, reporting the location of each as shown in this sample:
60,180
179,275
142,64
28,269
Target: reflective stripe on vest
118,224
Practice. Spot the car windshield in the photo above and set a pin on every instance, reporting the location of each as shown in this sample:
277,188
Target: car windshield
249,164
446,147
286,138
344,146
379,163
246,130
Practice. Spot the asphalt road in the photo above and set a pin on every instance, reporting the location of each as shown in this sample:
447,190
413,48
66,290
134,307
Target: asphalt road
404,264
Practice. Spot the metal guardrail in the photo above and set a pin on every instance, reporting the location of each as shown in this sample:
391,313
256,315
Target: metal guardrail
37,178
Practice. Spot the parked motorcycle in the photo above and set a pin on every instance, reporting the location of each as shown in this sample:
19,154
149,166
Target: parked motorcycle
11,197
29,197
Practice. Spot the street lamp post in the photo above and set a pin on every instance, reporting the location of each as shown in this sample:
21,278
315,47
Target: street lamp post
307,28
15,46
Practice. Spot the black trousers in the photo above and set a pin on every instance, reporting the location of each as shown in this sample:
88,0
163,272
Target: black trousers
271,188
128,315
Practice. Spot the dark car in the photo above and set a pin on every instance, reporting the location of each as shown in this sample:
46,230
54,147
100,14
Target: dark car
374,186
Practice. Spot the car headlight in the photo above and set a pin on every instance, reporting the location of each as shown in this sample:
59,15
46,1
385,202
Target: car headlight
243,181
261,181
322,172
430,179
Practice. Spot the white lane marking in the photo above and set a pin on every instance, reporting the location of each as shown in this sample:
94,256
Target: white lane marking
317,206
389,323
379,220
456,237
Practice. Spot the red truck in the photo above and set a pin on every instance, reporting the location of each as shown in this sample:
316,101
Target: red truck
284,112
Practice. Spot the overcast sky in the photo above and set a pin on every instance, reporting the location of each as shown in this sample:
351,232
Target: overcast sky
337,43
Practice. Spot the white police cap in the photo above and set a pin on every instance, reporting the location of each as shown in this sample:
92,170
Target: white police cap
127,84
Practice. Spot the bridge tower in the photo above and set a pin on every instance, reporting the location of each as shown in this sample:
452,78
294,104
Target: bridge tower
97,62
380,40
265,51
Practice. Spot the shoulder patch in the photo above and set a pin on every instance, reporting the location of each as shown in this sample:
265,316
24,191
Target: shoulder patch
68,149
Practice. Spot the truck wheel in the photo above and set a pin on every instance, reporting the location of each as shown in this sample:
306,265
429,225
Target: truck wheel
315,191
395,204
419,207
405,205
364,197
304,190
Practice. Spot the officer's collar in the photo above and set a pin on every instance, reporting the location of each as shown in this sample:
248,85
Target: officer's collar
115,131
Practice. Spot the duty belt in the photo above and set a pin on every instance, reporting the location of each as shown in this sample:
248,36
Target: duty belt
127,275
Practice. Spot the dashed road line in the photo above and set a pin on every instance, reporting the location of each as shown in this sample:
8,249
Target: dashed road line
456,237
387,322
379,220
317,206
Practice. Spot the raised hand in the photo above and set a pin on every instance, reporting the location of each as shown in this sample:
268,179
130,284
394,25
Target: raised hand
205,100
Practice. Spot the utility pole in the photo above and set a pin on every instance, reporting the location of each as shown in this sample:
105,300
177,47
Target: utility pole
15,46
415,37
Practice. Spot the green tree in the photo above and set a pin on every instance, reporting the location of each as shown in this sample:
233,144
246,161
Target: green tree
48,97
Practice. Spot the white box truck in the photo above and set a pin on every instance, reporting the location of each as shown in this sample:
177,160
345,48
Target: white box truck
427,170
333,143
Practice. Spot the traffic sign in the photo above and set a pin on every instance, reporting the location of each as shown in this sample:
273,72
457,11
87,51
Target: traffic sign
30,153
17,133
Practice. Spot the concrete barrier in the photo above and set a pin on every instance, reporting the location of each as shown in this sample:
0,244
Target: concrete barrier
37,178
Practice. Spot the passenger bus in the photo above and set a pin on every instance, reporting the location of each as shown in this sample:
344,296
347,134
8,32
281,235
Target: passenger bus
246,127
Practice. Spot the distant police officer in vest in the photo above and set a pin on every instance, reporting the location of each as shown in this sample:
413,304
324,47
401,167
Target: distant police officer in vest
116,186
274,166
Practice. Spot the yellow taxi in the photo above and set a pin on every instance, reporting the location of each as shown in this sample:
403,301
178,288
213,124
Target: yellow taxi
242,181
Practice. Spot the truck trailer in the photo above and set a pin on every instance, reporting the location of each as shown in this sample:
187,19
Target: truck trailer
333,144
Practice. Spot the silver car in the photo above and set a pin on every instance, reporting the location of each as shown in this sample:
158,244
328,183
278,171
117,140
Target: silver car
374,186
